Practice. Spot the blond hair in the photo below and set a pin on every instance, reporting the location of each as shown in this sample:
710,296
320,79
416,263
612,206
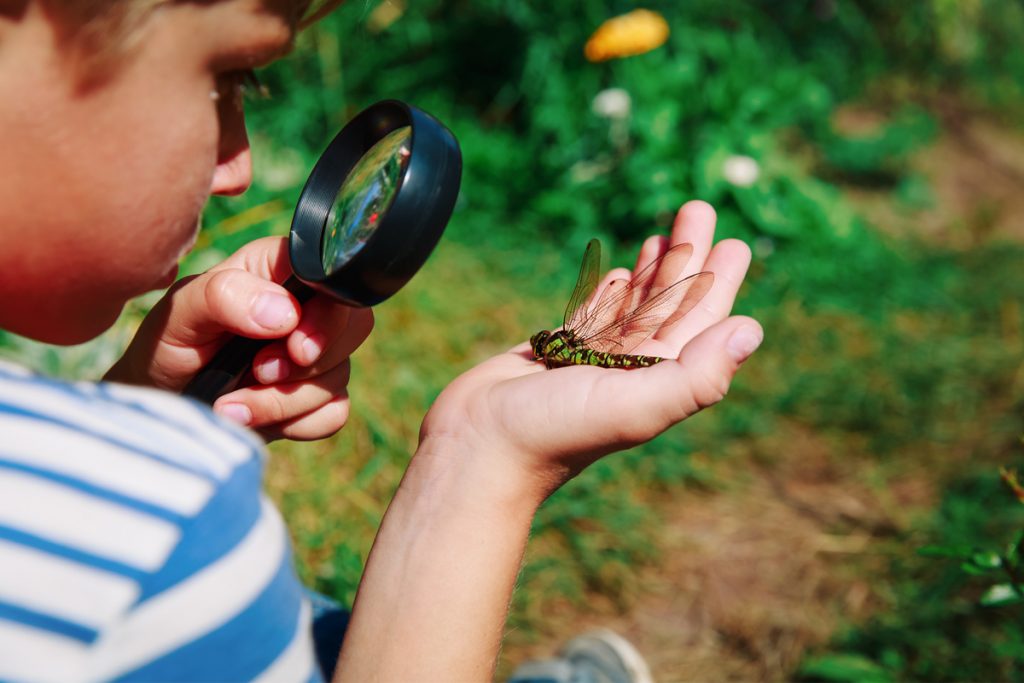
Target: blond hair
99,33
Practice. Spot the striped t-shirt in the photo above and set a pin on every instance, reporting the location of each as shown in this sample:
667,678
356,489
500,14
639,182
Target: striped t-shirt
135,542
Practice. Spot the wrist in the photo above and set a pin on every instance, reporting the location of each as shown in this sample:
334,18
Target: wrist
434,597
478,476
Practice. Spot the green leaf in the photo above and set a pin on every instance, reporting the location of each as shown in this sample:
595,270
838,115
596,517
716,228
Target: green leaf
1013,551
843,667
982,562
1001,594
974,570
987,560
958,551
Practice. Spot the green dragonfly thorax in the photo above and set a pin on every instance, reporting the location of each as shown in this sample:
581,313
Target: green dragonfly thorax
552,346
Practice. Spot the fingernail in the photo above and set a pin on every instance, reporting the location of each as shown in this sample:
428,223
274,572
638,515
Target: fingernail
272,370
744,342
236,412
312,347
272,311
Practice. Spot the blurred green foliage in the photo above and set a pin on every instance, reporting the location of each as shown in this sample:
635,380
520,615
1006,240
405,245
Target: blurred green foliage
879,340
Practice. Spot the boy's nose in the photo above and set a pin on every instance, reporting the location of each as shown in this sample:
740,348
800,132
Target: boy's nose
234,175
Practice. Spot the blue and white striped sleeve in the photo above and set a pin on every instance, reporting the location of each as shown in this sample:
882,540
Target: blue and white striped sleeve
135,542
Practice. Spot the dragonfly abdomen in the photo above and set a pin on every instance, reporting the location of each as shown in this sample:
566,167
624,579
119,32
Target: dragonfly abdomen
604,359
560,349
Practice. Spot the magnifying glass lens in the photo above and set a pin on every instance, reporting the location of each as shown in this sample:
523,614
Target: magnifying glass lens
364,197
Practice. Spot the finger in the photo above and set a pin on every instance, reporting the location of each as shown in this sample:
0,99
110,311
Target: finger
657,284
343,328
711,359
260,406
347,327
328,329
318,424
653,248
612,275
272,365
218,303
606,289
266,257
728,260
671,260
676,389
695,224
604,305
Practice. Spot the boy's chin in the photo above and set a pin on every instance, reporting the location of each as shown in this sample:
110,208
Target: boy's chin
69,330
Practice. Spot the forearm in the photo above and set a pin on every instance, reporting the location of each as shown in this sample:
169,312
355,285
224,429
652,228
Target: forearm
433,600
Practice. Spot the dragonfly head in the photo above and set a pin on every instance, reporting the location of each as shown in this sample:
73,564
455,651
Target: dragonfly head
538,341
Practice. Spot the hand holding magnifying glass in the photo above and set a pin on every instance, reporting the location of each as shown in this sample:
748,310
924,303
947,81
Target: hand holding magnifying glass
368,217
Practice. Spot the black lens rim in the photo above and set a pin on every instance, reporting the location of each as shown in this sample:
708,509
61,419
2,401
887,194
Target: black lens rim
410,228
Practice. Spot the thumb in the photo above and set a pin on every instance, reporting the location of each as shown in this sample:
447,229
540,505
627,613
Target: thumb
701,376
229,301
188,326
640,404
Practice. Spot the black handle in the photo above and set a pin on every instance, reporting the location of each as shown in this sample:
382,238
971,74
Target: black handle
221,375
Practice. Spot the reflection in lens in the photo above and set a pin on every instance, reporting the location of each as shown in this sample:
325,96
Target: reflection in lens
364,197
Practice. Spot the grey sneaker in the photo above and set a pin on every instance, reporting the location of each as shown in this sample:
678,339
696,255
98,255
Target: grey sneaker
596,657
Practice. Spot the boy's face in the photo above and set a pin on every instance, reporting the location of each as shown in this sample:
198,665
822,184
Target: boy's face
101,189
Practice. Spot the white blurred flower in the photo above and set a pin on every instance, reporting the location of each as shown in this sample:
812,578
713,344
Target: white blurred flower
763,247
613,103
741,171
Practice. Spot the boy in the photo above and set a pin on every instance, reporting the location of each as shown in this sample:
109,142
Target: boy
134,541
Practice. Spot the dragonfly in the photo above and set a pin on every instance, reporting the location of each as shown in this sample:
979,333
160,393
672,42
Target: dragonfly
603,330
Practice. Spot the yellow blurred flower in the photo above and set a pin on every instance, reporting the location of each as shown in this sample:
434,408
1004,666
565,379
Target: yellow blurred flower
385,14
626,35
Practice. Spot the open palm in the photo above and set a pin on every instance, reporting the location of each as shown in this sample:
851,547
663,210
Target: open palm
553,423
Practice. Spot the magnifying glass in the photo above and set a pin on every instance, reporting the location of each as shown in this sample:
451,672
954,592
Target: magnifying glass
368,217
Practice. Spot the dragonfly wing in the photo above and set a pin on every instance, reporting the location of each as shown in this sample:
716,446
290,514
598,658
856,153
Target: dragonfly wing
586,283
620,297
600,314
664,306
